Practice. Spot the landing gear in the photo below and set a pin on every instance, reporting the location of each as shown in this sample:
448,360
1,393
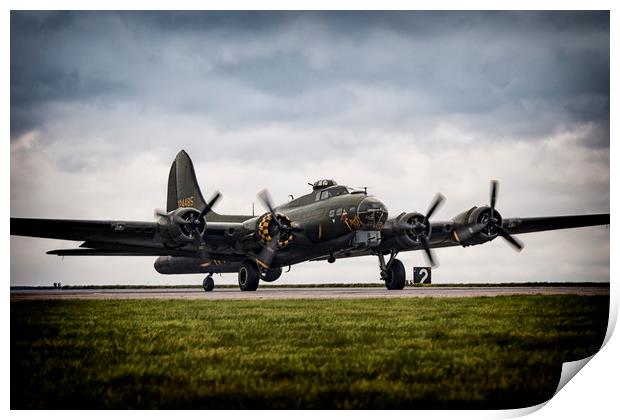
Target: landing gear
395,276
270,275
393,272
248,276
208,283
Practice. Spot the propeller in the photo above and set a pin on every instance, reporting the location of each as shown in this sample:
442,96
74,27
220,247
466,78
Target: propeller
419,227
198,222
437,201
265,198
174,217
209,206
516,244
269,251
193,224
467,232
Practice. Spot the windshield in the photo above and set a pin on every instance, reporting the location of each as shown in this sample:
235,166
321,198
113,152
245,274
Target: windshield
334,192
355,190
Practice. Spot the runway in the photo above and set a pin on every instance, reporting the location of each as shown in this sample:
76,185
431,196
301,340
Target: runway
303,293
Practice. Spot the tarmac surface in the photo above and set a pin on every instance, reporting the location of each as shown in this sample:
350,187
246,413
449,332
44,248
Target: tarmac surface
303,293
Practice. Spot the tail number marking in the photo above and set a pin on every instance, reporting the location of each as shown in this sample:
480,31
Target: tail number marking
186,202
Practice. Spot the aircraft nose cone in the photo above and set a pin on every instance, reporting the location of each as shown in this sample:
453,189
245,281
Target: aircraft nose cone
372,213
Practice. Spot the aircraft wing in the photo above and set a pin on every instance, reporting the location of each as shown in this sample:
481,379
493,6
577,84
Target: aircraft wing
100,237
85,230
446,234
539,224
443,233
451,233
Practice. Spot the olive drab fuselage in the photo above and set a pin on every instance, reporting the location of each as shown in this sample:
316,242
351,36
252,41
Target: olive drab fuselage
328,217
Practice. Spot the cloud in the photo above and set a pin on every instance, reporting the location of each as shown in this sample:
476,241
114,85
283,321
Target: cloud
406,103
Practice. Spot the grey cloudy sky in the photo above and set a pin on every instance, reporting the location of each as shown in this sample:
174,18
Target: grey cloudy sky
406,103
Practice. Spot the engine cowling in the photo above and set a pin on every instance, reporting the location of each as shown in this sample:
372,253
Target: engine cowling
178,234
266,226
483,215
478,216
407,229
482,224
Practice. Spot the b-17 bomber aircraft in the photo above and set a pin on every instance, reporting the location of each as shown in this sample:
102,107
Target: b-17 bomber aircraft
331,222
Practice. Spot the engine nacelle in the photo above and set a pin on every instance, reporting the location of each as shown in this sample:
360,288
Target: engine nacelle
400,229
480,215
266,226
176,234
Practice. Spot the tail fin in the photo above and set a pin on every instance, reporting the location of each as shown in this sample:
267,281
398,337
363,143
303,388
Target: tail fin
183,189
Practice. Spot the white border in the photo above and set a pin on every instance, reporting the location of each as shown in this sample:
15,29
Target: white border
593,392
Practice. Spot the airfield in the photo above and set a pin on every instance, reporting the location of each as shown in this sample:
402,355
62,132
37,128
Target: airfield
424,347
305,293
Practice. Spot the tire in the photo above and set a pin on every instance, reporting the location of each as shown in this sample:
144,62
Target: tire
272,275
248,276
208,284
395,276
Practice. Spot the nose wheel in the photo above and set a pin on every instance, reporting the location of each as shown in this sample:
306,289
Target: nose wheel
208,283
392,273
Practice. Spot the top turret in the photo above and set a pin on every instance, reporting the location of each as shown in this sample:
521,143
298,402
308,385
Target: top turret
323,183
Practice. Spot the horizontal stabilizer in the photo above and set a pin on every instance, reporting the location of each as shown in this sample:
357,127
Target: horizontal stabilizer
93,252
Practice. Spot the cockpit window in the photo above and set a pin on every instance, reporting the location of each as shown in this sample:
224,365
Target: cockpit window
335,191
332,192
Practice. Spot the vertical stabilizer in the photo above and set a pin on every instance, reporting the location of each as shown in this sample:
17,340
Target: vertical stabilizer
183,189
172,188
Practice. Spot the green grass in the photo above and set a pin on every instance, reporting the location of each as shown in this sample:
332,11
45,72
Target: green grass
500,352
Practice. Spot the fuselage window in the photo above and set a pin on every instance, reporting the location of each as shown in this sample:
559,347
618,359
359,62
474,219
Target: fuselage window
331,213
324,195
339,211
318,196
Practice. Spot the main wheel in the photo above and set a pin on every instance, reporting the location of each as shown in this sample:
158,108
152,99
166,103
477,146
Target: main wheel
272,274
248,276
208,284
395,276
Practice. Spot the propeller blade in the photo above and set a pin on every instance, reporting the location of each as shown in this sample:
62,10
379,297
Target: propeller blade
494,188
199,241
429,253
294,228
212,201
265,198
517,244
176,218
439,198
179,220
268,253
